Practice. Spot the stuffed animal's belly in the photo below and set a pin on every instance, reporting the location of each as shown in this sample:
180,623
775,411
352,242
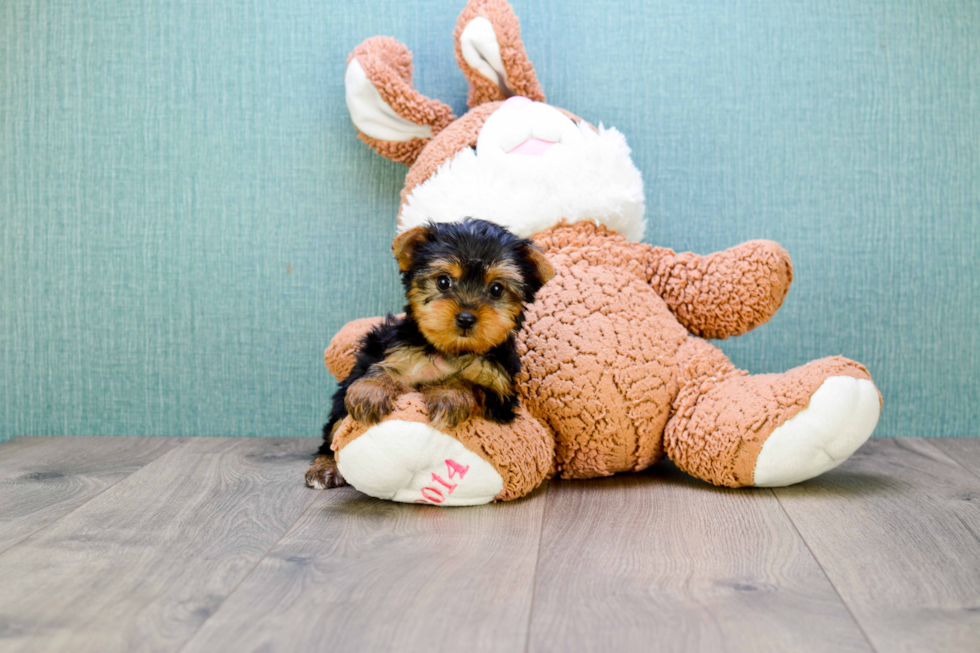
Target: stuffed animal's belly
598,353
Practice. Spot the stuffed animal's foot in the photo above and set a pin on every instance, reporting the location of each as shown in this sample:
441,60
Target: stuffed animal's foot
840,417
772,429
412,462
404,458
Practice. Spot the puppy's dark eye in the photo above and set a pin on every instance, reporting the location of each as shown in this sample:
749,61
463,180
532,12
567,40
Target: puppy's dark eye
443,283
496,289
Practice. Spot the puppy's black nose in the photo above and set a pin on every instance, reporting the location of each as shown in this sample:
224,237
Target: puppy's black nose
465,319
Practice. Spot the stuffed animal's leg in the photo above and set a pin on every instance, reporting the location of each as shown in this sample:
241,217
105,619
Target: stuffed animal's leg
733,429
404,458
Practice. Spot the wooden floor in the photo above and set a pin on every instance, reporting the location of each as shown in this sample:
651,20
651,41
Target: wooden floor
210,544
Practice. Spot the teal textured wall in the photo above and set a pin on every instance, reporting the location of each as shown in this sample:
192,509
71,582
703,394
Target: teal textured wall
186,216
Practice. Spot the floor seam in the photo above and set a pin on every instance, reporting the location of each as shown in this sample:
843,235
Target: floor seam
248,575
824,572
91,498
537,566
951,457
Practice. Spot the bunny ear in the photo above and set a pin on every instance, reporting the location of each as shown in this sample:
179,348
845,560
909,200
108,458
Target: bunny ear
491,54
391,116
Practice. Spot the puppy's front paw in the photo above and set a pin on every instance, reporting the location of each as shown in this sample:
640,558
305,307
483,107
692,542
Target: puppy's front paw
369,400
323,474
449,406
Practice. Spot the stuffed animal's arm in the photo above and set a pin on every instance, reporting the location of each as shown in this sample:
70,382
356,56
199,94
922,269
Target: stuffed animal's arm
341,353
726,293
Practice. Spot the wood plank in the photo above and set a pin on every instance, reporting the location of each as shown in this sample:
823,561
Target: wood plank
897,530
663,562
141,566
965,451
358,574
44,478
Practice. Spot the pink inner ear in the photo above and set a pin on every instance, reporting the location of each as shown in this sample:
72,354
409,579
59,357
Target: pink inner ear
532,147
517,101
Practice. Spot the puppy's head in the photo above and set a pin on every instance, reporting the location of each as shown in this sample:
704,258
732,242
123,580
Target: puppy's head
467,282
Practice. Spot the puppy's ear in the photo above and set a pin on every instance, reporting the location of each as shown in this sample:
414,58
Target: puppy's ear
405,244
542,266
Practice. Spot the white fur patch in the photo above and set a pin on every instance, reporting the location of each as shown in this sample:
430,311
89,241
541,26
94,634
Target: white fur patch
411,462
585,176
840,417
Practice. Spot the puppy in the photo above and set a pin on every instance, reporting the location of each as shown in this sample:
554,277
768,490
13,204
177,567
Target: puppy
466,284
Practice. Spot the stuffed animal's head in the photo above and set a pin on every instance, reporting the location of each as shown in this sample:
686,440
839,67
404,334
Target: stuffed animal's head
511,159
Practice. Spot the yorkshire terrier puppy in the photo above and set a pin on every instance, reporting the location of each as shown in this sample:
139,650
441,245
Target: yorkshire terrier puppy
466,284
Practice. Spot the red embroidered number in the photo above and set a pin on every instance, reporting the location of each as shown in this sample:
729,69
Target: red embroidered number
455,467
433,494
448,486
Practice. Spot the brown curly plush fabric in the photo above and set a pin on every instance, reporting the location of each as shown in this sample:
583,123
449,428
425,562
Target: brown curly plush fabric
597,350
723,294
521,452
605,355
521,78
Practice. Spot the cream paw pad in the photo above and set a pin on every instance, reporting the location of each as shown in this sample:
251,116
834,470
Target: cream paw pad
840,417
412,462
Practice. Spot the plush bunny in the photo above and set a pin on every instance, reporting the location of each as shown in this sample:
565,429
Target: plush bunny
617,373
